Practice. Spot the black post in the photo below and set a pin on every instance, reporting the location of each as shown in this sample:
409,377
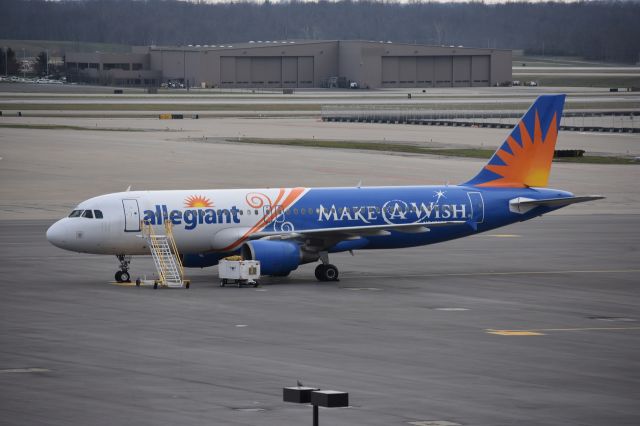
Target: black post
315,415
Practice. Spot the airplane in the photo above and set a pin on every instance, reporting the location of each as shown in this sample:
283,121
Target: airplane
284,228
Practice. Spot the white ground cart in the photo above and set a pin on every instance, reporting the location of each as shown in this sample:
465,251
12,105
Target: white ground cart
239,272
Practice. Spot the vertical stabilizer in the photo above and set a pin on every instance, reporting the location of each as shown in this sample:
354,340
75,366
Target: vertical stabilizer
524,159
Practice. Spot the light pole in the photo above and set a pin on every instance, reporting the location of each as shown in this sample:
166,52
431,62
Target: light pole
24,71
47,63
6,61
316,397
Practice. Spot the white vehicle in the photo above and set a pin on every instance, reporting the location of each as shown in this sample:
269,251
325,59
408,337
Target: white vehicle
239,272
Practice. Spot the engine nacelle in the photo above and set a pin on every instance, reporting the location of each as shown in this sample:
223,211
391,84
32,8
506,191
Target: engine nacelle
276,257
200,260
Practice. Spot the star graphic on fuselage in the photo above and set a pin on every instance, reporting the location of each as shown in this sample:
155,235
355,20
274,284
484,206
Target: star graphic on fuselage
439,195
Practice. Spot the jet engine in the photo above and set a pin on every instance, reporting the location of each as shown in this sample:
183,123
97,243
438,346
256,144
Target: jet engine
276,257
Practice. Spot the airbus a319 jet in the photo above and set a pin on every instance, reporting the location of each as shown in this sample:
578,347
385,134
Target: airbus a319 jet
287,227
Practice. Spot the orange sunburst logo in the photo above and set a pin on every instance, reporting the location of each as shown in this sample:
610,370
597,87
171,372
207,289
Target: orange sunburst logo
529,163
197,201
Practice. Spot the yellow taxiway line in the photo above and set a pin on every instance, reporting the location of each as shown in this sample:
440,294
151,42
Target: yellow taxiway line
543,331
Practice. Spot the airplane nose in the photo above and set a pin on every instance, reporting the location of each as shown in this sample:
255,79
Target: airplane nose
57,234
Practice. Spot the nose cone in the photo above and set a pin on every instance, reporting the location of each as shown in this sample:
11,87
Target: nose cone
58,234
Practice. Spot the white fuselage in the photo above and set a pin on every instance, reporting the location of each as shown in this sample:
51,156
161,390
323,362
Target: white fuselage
202,220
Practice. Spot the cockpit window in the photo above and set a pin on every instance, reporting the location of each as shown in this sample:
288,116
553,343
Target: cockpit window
98,214
76,213
88,214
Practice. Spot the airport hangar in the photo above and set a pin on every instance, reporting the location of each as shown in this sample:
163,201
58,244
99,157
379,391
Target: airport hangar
296,64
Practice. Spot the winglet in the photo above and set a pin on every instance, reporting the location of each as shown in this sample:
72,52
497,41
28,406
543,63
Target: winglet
524,159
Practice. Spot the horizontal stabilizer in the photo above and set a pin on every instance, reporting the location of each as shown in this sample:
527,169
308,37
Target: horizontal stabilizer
523,205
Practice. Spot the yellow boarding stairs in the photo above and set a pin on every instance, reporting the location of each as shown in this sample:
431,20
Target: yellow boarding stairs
165,256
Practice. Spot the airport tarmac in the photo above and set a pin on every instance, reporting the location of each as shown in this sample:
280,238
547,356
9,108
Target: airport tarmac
536,323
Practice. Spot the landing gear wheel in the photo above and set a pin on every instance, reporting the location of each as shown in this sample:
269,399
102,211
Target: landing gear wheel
319,272
122,276
326,272
330,273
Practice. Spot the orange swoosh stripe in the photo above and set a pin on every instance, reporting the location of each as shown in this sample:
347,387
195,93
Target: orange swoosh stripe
265,221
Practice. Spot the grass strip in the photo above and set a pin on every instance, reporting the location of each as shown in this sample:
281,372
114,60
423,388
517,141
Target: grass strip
65,127
416,149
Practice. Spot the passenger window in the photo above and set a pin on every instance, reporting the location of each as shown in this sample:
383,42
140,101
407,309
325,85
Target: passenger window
310,210
295,211
76,213
88,214
97,214
303,211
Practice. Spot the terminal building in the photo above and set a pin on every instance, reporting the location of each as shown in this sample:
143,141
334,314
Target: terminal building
296,64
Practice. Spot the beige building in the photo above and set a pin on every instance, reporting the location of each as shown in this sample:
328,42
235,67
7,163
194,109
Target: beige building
117,69
300,64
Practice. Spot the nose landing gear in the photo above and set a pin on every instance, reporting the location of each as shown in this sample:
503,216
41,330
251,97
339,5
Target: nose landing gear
122,276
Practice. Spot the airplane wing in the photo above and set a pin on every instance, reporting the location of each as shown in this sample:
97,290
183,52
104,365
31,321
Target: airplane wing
523,205
345,232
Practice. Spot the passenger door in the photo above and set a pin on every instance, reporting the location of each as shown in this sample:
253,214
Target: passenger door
131,215
477,206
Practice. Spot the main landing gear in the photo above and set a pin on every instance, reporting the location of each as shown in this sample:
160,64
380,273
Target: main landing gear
122,276
326,271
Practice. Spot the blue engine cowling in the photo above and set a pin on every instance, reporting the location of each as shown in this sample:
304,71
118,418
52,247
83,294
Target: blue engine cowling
201,260
276,257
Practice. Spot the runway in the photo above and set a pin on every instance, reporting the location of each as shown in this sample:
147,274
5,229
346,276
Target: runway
408,333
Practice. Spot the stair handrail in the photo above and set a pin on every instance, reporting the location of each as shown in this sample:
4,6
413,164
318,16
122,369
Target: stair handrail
174,248
147,229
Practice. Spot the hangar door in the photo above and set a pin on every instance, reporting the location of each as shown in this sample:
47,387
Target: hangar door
407,71
289,71
305,71
227,70
266,71
443,68
461,71
480,70
424,71
243,72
